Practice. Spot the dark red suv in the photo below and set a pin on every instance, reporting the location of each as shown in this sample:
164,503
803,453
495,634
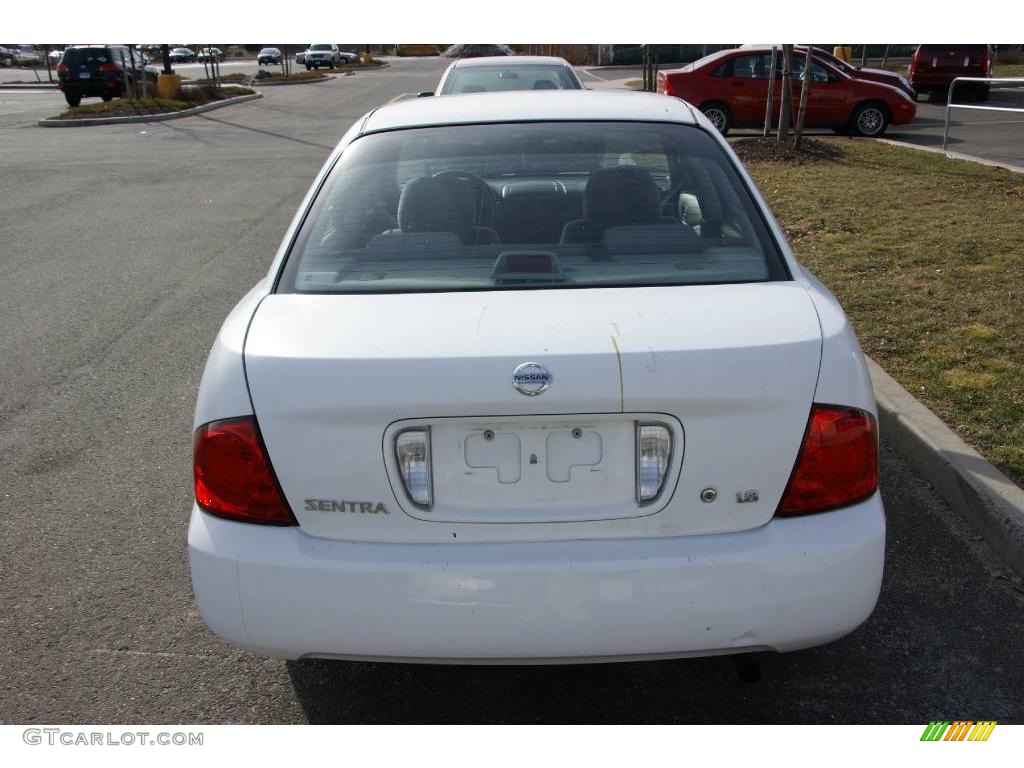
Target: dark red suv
934,66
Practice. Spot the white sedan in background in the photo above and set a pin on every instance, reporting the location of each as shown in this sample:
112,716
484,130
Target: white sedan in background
535,377
489,74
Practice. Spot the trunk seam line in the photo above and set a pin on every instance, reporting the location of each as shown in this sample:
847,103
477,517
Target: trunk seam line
622,393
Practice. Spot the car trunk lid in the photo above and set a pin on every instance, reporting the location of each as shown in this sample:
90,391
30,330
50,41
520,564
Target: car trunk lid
729,370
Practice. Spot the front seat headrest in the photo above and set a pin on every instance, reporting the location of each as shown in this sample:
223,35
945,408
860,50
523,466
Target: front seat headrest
621,195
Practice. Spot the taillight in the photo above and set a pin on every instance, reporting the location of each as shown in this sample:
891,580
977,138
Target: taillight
653,455
62,69
665,84
837,464
108,67
232,474
412,454
915,61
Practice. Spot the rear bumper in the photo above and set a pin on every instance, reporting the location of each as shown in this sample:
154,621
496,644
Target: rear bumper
935,80
790,584
95,87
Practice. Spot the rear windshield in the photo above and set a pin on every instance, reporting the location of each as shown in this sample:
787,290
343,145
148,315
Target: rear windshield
536,77
80,56
961,50
512,206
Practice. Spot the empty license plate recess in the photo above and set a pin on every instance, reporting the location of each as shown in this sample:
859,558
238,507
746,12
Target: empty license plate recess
536,469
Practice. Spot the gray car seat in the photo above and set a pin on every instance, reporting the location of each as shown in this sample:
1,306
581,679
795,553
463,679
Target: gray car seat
616,197
442,204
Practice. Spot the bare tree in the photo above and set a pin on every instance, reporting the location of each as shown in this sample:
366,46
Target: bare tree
805,91
771,91
786,105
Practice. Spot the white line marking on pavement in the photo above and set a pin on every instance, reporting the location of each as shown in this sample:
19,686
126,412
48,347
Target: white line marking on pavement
987,122
596,77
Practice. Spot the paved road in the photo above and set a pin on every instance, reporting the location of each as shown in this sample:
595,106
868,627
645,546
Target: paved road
123,248
996,136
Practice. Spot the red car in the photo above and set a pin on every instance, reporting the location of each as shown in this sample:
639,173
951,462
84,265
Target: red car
934,66
731,88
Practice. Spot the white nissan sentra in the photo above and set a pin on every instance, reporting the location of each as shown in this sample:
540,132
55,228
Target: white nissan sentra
535,377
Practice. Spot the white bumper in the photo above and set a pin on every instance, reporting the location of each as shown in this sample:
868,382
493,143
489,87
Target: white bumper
790,584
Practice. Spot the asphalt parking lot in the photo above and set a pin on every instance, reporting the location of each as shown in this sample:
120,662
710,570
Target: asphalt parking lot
122,248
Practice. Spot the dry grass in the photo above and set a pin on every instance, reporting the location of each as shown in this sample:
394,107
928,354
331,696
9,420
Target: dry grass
926,254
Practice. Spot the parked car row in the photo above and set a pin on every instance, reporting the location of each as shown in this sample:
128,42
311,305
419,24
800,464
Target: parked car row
15,55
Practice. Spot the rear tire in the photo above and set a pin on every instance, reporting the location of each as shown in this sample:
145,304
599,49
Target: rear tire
73,99
106,97
719,115
308,68
869,119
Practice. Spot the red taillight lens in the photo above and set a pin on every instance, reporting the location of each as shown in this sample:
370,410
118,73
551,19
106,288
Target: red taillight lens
664,84
62,69
108,67
838,462
233,476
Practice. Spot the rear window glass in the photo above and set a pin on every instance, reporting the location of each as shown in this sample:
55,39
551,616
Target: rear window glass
478,79
87,56
952,48
513,206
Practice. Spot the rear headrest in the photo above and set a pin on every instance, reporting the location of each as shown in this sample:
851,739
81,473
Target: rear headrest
544,85
622,195
471,89
431,204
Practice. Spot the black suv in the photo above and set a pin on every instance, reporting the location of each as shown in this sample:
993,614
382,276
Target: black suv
92,70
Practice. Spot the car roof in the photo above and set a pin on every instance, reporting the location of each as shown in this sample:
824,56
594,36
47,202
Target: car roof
528,106
510,61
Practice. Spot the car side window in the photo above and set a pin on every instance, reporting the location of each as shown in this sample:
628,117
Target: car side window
724,69
750,67
818,73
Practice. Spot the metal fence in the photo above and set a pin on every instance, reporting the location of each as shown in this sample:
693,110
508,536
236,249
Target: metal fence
1011,81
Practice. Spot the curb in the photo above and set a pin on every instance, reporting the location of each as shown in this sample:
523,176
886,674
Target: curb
53,122
272,84
955,155
28,86
975,489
